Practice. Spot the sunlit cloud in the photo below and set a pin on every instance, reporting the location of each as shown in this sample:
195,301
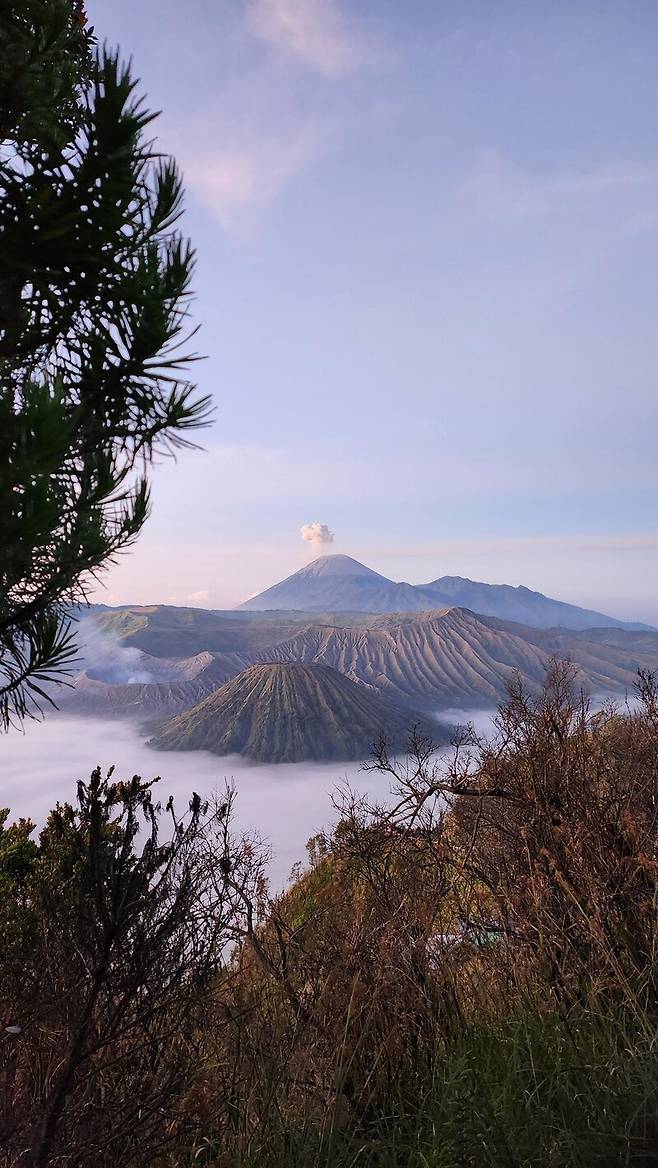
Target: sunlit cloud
240,151
200,597
313,32
239,181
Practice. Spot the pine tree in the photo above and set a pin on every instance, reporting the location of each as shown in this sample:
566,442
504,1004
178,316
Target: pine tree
94,331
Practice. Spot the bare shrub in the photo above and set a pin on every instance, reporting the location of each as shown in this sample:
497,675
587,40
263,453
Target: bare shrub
111,948
515,879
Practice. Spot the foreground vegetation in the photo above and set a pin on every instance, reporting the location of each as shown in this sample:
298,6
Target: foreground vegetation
95,355
465,976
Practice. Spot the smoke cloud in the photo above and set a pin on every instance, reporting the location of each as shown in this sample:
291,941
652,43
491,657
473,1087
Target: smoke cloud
106,659
316,534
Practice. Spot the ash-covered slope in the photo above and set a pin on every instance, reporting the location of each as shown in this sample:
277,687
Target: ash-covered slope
448,658
608,659
341,584
290,713
434,660
173,685
455,658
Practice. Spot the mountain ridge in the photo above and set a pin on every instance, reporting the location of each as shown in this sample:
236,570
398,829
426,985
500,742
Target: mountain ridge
339,583
457,658
441,659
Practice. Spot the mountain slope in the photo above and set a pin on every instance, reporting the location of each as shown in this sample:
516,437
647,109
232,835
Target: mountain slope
338,584
289,713
341,584
608,658
434,660
517,604
166,631
172,686
455,658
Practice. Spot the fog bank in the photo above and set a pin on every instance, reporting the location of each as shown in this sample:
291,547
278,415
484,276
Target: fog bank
286,803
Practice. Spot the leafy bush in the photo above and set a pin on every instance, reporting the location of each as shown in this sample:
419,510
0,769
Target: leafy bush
465,976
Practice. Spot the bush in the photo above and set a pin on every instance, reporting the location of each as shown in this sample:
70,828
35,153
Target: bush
467,977
464,977
110,948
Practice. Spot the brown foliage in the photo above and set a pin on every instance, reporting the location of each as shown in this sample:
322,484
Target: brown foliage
520,874
515,878
112,945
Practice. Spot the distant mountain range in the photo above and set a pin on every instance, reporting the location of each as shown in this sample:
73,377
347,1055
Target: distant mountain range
290,712
340,584
319,666
435,662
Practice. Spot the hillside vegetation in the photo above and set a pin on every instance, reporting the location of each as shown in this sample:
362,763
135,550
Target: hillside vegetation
464,977
470,982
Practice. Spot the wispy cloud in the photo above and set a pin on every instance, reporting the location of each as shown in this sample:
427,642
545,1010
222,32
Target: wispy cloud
244,141
242,174
504,191
314,32
527,543
321,475
200,597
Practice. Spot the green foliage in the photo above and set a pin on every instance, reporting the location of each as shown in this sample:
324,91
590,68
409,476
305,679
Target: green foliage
18,853
45,62
94,283
534,1092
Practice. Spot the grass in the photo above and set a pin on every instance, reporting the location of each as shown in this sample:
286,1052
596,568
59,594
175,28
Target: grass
535,1092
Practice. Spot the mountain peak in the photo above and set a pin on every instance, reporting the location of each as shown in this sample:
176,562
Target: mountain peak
289,712
336,565
339,583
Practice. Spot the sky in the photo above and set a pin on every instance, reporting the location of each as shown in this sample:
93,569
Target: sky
427,292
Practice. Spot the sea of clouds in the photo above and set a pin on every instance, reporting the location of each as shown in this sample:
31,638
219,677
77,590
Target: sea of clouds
285,804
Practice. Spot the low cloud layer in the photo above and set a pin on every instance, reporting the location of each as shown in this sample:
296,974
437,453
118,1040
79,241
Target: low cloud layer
317,534
286,803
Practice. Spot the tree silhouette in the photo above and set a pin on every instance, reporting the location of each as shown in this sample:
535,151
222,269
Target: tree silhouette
94,331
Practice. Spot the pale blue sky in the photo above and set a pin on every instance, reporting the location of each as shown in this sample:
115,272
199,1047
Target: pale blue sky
427,287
